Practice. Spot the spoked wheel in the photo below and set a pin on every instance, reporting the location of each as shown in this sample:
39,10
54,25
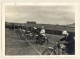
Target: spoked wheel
47,52
45,42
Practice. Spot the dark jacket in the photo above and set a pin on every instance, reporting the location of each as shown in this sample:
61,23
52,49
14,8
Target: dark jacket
71,43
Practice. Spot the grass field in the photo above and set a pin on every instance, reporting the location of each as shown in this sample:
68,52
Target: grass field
15,45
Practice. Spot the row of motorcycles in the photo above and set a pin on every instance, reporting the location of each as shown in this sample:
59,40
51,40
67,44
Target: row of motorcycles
33,37
58,49
37,38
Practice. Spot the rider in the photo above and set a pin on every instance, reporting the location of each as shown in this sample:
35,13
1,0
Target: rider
42,32
70,45
34,30
42,35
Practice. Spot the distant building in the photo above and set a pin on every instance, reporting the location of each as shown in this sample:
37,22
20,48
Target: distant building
31,22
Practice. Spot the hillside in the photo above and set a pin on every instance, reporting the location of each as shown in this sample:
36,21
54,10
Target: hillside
71,25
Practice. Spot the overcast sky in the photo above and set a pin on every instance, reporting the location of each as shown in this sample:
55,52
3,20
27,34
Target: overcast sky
61,15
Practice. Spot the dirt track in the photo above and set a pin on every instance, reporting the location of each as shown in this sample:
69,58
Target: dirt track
14,45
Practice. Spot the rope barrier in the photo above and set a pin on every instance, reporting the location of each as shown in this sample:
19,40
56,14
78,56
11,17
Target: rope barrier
33,47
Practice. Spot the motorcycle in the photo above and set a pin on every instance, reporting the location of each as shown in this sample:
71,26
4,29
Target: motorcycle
58,49
39,39
36,38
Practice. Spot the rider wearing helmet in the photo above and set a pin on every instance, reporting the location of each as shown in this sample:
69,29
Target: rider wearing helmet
34,30
42,32
69,38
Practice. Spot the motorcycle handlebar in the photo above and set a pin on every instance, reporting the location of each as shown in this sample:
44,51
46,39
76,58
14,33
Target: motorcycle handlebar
62,42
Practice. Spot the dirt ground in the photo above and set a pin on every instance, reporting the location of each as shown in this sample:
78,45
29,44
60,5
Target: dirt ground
15,45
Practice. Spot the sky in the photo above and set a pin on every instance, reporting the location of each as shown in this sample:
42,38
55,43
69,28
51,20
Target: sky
61,15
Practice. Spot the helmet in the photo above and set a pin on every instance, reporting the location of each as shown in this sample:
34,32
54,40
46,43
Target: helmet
64,32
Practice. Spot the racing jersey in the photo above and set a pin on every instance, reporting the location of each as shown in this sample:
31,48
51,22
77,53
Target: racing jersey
42,32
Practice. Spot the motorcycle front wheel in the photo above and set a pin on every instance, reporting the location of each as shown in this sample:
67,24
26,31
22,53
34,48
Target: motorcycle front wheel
48,52
45,42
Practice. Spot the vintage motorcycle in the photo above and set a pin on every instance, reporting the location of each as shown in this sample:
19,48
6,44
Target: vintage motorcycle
34,38
58,49
43,40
